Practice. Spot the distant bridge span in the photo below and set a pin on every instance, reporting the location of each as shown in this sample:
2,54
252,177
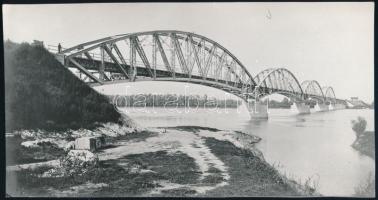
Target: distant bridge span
170,55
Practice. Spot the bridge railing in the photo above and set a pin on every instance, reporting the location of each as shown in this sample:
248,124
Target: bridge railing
96,56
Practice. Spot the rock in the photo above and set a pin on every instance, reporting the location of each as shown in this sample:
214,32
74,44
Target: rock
115,130
54,172
36,143
26,134
29,144
84,133
78,162
82,155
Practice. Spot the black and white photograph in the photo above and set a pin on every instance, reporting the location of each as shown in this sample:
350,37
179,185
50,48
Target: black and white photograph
206,99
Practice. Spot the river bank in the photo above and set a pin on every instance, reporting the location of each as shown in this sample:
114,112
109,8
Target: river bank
364,143
172,161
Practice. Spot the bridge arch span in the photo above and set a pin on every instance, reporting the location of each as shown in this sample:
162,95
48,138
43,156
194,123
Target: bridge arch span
280,81
329,94
168,55
313,89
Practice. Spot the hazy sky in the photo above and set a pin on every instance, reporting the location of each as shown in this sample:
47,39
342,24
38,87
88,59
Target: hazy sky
329,42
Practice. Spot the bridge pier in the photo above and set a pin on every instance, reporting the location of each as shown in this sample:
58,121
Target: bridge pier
300,108
257,109
321,107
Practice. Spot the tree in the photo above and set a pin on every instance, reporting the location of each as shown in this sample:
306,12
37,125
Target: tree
359,126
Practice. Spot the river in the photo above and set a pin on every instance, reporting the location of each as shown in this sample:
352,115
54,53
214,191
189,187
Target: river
317,145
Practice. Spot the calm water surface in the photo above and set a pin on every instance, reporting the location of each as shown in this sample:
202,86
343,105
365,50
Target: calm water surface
301,146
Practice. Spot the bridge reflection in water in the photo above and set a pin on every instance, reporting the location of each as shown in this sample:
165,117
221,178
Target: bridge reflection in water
170,55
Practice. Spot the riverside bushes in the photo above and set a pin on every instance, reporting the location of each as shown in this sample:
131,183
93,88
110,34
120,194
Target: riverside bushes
364,142
41,93
359,126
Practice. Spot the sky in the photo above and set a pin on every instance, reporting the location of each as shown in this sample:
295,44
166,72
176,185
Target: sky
332,43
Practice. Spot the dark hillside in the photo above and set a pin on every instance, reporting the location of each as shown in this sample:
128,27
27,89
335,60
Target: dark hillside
41,93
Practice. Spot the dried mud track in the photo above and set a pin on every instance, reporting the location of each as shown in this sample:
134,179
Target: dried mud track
172,140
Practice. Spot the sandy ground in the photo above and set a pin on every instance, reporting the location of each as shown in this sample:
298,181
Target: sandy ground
172,140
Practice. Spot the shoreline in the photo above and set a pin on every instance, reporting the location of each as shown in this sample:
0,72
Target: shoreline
364,144
212,171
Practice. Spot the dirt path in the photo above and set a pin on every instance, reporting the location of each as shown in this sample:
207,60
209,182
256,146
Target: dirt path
172,140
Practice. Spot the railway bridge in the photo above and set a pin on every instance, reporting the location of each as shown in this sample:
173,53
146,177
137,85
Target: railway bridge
171,55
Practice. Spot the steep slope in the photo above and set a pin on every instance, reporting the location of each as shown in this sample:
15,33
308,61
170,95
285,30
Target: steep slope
41,93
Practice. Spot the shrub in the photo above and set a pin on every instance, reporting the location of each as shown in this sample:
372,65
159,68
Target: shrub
359,125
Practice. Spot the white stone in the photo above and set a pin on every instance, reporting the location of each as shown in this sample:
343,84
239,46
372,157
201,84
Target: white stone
82,155
34,143
114,130
25,134
29,144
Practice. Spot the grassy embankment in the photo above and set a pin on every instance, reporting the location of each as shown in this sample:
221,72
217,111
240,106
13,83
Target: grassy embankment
41,93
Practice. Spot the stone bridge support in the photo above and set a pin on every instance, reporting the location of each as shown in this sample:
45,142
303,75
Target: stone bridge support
300,108
257,109
321,107
332,106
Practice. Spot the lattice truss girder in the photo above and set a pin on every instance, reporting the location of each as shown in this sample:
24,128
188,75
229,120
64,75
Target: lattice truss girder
329,94
157,54
277,80
313,89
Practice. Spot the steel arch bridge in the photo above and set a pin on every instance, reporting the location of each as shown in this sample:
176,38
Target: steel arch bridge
171,55
160,56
